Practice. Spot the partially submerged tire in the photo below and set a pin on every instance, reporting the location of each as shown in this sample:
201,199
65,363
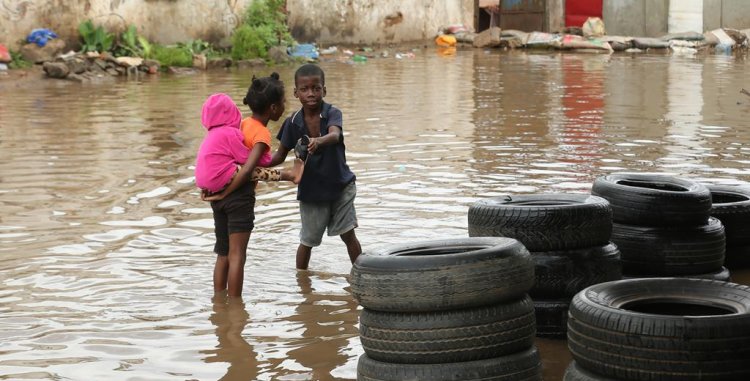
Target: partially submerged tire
448,336
544,222
551,318
654,200
662,329
667,251
442,275
521,366
721,274
562,274
575,373
731,205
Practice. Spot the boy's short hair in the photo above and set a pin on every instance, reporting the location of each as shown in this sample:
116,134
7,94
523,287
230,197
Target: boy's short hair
310,70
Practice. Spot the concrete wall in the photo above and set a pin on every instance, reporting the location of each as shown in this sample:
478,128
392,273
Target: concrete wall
649,18
165,21
555,15
639,18
374,21
726,13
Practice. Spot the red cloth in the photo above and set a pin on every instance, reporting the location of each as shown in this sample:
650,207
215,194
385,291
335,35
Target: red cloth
578,11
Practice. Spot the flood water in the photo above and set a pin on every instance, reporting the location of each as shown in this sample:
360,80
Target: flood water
106,249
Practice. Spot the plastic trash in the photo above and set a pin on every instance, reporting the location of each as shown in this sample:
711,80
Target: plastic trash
593,27
40,36
359,58
3,67
348,52
304,50
445,41
723,48
329,50
4,54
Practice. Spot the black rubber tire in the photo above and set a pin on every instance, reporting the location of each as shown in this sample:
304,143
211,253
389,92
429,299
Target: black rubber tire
551,318
561,274
662,329
575,373
731,205
448,336
737,257
442,275
544,222
668,251
521,366
654,200
721,274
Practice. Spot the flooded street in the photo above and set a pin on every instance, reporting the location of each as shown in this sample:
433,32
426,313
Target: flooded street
106,248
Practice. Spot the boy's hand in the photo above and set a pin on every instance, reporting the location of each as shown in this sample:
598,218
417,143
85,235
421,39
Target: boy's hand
312,146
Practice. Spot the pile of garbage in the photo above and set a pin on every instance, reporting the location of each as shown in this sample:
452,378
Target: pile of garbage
592,37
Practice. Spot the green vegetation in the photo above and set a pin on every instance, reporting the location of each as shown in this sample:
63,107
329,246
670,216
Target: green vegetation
95,39
199,47
172,55
17,61
250,42
264,26
131,44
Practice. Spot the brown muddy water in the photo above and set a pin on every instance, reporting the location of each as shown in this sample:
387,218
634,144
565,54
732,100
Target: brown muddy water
105,247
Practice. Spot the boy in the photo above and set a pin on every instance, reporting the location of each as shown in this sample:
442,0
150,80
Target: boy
327,189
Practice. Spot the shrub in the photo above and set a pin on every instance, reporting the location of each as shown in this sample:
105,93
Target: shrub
95,39
270,14
251,42
17,61
172,55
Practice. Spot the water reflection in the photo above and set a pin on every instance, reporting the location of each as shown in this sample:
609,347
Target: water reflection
105,247
328,323
230,317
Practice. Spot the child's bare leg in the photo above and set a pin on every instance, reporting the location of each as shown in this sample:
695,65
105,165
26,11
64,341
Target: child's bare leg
221,269
236,258
303,256
295,174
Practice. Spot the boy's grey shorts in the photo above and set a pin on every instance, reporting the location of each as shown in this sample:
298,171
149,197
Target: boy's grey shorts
337,216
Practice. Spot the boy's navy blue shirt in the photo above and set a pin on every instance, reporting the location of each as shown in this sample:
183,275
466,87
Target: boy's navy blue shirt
326,172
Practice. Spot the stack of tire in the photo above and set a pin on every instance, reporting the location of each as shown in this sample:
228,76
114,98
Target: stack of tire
454,309
660,329
568,237
731,205
662,226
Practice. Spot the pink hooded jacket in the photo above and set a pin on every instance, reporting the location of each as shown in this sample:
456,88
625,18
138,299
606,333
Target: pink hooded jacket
222,149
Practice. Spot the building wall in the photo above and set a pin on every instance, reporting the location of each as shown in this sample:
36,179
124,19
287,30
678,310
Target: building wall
374,21
638,18
650,18
170,21
165,21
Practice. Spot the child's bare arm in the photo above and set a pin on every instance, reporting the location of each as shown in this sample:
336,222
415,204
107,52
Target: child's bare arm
279,156
332,137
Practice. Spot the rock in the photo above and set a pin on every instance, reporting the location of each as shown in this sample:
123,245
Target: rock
219,63
129,61
77,78
56,69
181,70
100,63
246,64
278,54
112,72
35,54
151,66
199,61
76,65
489,38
